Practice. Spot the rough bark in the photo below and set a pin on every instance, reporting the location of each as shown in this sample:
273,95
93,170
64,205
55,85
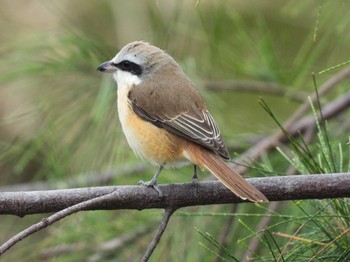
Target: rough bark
277,188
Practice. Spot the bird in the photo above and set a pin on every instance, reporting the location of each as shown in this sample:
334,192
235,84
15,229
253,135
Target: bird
165,119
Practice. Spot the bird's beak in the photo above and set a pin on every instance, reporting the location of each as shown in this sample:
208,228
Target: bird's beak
107,67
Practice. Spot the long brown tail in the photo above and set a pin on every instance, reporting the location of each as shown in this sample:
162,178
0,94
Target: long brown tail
230,178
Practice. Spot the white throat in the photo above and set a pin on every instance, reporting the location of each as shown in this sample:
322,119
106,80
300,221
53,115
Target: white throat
126,79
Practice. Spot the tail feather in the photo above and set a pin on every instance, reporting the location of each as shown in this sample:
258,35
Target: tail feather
230,178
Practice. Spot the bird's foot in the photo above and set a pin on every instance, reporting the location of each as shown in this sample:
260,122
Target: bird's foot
152,184
195,179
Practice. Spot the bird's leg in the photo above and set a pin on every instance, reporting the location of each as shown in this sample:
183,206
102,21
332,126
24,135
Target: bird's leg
195,179
153,181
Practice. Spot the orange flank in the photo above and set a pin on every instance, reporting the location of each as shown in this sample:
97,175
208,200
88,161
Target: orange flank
156,145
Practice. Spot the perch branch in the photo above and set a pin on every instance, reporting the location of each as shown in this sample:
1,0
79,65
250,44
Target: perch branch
278,188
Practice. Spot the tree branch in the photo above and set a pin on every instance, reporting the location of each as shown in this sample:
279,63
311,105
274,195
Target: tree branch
175,195
50,220
255,86
152,246
272,141
331,109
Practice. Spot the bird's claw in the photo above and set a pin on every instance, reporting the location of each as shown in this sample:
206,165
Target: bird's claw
152,184
195,180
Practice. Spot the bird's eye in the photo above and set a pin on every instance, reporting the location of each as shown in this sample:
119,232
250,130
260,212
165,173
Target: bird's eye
129,66
126,65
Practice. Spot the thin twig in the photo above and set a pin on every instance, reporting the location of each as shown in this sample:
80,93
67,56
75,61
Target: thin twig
254,87
152,246
50,220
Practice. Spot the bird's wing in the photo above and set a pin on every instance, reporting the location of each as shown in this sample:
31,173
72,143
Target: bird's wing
182,112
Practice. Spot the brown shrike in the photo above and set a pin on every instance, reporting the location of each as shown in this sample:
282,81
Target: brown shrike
165,119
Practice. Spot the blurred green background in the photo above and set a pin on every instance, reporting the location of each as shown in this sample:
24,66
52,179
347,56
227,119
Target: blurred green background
58,120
